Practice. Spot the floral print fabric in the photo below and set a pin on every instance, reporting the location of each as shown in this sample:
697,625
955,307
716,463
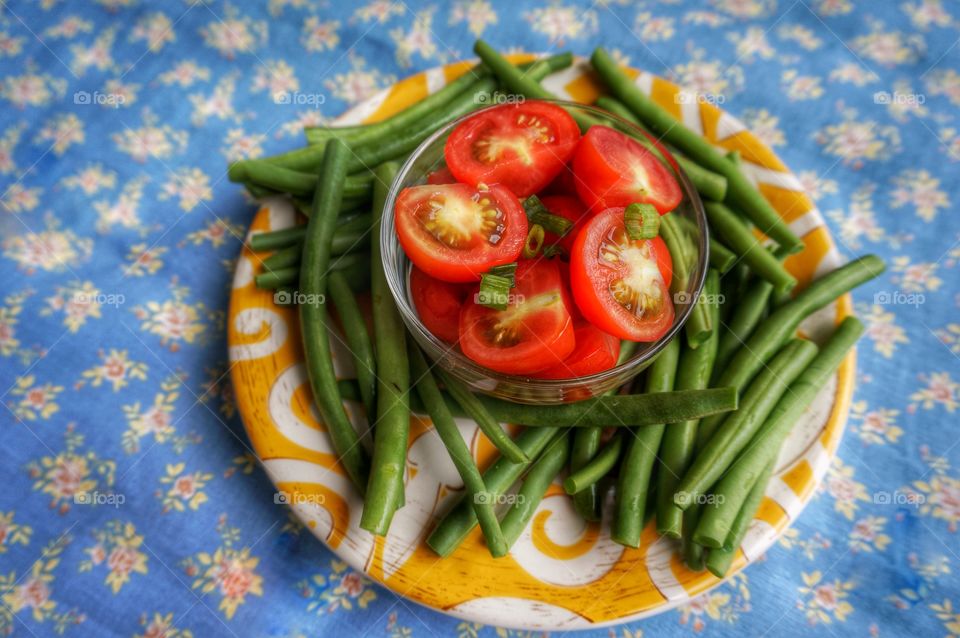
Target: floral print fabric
132,504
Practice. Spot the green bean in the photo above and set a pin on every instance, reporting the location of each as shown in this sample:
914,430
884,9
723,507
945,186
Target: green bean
287,180
733,287
740,192
747,314
351,230
358,339
487,424
366,133
586,442
385,394
288,257
742,242
351,265
679,439
314,319
617,410
446,428
406,141
460,521
589,474
305,158
633,483
717,523
698,326
783,323
719,559
721,257
515,81
709,184
691,551
534,486
258,192
734,433
274,239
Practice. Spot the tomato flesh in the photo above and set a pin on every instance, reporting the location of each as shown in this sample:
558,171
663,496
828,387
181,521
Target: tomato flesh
455,232
570,208
438,303
595,351
520,146
534,333
615,170
621,285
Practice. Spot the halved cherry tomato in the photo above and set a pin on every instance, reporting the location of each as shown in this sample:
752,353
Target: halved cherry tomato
455,232
622,285
534,333
615,170
569,208
438,303
521,146
441,176
595,351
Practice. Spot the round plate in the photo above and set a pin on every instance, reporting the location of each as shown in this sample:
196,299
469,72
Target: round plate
562,573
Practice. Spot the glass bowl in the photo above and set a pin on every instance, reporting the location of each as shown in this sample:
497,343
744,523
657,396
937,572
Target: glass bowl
428,157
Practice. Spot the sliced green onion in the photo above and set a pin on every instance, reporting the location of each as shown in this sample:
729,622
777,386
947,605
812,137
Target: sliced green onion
537,213
642,221
534,242
494,291
552,250
507,271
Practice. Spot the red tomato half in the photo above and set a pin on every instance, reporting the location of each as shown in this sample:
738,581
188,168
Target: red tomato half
615,170
621,285
534,333
455,232
441,176
438,303
569,208
594,352
521,146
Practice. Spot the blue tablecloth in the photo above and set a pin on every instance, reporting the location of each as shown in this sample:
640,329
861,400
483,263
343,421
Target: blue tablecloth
119,232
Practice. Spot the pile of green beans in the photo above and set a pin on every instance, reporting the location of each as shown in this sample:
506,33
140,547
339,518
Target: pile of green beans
716,405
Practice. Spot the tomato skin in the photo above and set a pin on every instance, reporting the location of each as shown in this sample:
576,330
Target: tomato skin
438,303
569,208
534,333
475,254
441,176
520,146
595,351
591,279
606,164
